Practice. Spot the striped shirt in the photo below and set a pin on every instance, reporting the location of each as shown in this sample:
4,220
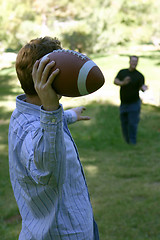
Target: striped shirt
47,176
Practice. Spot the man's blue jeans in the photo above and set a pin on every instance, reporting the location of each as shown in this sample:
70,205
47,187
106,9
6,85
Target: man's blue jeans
130,116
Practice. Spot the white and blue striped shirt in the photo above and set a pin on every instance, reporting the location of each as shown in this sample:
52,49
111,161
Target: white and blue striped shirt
47,176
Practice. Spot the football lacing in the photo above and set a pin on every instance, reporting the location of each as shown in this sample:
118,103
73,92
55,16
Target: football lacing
72,52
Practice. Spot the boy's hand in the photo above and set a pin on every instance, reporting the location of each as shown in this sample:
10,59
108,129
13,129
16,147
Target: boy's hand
79,111
43,83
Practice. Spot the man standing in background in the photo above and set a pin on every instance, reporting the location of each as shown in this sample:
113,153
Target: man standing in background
130,81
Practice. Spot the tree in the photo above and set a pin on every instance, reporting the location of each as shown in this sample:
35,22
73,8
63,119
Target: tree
12,15
93,25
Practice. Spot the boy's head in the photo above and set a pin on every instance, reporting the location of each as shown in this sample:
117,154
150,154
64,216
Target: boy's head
28,55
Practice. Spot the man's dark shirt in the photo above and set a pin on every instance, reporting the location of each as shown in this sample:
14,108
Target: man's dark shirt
130,92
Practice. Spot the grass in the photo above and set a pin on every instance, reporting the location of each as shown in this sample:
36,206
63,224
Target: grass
123,180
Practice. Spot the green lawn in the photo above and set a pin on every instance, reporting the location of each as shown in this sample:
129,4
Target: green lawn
123,181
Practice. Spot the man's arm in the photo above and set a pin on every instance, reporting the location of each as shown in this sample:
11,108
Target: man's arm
120,83
144,88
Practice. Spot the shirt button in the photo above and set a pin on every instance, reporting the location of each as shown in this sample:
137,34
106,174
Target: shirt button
53,120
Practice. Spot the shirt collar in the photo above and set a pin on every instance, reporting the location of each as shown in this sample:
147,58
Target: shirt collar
25,107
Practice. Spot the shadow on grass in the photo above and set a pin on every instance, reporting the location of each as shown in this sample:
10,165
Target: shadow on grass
117,174
9,213
103,131
103,128
8,83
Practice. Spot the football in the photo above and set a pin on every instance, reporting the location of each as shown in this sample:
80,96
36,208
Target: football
78,76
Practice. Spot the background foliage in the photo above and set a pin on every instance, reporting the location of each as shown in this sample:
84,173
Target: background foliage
94,25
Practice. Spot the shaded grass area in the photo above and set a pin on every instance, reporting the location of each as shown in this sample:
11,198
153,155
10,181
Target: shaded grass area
123,180
9,218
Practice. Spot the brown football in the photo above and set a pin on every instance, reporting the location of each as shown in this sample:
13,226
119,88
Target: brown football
78,76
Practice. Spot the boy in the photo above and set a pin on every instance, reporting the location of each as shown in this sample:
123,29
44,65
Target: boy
45,170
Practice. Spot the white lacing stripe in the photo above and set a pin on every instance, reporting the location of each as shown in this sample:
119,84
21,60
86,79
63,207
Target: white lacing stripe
78,54
83,73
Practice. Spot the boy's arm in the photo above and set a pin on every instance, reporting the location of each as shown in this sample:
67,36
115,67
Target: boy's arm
43,151
46,146
75,114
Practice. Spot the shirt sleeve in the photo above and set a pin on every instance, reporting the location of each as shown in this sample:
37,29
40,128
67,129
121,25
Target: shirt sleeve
43,149
142,81
70,116
120,75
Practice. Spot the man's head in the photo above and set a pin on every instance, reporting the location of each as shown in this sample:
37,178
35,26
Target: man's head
28,55
133,63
